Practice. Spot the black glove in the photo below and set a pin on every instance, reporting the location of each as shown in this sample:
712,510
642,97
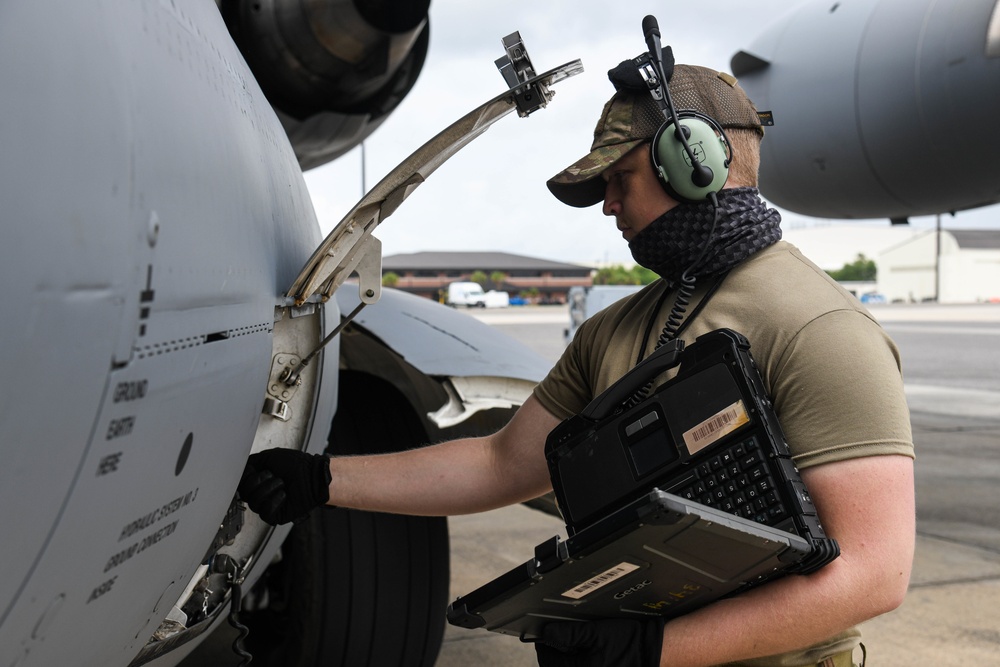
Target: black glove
616,641
283,485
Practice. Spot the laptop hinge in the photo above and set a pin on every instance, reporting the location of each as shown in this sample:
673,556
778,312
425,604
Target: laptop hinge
550,554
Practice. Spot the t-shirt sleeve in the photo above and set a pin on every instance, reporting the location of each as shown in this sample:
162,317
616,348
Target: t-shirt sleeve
566,390
604,348
838,392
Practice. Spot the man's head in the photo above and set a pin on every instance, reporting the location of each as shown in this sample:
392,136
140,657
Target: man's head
631,119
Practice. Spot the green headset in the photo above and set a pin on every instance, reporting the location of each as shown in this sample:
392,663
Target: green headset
690,151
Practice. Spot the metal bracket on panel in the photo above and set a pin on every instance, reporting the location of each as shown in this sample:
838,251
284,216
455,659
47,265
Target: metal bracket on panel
279,393
353,250
353,254
516,69
277,409
368,267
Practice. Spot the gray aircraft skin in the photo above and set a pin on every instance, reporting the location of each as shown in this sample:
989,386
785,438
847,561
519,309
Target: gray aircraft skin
882,108
154,217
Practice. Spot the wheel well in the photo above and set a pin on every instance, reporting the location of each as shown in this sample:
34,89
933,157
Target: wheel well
375,372
364,393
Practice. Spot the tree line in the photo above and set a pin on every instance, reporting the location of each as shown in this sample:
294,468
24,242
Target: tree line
861,269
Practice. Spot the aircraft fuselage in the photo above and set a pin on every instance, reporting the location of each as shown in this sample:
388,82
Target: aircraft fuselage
154,213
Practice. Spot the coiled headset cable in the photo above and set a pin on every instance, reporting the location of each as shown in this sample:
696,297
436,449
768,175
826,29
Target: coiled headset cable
675,319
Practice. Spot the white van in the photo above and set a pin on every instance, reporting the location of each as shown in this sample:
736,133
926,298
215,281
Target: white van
466,294
472,295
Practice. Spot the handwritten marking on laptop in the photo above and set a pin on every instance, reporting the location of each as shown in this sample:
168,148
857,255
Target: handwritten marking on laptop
673,597
715,427
603,579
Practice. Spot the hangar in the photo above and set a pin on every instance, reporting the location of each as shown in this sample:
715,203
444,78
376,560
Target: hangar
947,266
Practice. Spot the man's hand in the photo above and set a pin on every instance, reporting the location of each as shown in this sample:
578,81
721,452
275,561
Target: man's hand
283,485
616,641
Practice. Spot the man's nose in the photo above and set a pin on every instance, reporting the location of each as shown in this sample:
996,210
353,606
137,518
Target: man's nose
612,202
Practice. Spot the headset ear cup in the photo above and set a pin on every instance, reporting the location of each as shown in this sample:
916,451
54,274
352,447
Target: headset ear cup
672,163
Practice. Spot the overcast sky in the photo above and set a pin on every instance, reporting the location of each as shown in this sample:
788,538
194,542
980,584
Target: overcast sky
492,194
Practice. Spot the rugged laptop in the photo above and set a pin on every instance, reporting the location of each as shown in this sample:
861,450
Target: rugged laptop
671,501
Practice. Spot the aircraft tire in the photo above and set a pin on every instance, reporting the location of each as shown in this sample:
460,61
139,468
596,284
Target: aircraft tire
360,588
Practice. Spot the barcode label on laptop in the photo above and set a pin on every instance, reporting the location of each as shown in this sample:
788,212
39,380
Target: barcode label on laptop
603,579
715,427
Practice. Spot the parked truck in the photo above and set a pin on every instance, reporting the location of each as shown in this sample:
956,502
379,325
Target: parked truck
585,302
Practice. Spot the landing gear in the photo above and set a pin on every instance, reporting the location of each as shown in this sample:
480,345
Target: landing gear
358,588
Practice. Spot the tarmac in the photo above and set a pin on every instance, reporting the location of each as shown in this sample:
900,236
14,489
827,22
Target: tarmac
941,623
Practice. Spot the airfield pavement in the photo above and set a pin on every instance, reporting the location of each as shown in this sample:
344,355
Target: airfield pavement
949,619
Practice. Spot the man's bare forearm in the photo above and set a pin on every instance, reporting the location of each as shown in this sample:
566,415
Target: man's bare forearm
867,505
455,477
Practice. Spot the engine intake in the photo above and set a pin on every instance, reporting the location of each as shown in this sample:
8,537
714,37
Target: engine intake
332,69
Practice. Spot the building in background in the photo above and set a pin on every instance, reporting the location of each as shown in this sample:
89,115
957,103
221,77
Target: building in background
950,266
428,274
913,265
910,267
832,245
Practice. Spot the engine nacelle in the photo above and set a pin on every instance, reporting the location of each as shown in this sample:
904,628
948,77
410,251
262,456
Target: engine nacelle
332,69
882,109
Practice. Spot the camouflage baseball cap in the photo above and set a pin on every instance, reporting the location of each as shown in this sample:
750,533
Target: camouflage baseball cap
631,118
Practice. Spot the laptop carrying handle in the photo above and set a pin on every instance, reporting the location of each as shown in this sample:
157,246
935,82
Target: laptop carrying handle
663,359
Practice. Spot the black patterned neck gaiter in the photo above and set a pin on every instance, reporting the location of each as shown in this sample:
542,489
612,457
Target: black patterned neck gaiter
672,243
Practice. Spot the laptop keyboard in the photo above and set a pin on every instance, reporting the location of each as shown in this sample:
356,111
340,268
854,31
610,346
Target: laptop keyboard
737,481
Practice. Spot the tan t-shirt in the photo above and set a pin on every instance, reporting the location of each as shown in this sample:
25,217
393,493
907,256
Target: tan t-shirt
831,371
